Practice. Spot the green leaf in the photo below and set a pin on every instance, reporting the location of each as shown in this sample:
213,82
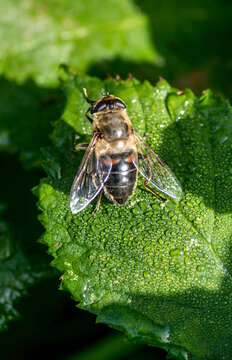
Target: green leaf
160,274
37,36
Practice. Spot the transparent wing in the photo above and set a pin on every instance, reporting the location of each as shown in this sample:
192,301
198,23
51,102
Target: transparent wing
90,178
156,172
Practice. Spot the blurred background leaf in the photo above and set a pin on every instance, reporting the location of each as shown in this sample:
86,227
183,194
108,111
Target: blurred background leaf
38,36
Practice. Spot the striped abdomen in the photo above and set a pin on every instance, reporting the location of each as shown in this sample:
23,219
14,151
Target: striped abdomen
122,179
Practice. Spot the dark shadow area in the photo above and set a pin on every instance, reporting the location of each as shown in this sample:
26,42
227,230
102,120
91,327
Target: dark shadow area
191,33
51,326
25,111
26,115
192,37
123,68
21,212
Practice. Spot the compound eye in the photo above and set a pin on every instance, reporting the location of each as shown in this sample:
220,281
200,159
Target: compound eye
120,104
100,107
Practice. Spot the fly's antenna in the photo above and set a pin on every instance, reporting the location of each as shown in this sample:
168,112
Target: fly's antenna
107,93
86,97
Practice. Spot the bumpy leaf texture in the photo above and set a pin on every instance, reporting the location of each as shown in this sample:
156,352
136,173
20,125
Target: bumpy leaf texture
160,274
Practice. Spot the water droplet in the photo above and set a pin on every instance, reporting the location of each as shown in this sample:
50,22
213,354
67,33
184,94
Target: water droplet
200,268
175,252
146,274
222,139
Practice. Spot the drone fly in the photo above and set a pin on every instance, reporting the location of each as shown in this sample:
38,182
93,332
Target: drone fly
114,157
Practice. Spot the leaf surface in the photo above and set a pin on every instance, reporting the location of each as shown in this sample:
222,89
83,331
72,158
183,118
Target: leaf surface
161,274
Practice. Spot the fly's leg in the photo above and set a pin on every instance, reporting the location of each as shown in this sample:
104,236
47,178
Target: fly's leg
91,102
153,192
87,116
100,195
93,178
98,204
145,137
79,147
146,181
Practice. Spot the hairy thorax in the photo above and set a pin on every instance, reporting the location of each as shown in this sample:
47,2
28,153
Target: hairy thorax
113,125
